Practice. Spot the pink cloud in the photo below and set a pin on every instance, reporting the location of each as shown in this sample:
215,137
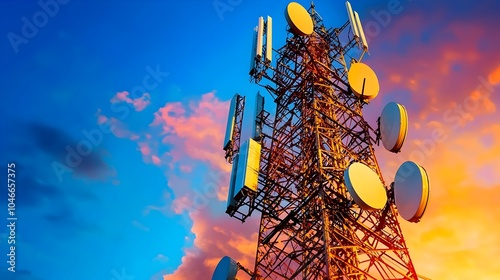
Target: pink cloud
144,148
186,168
194,133
101,119
197,131
156,160
139,103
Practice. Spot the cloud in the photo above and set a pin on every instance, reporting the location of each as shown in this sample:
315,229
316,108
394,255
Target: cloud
156,160
144,149
68,223
456,235
448,82
139,103
216,237
440,65
64,150
494,77
161,258
193,135
197,131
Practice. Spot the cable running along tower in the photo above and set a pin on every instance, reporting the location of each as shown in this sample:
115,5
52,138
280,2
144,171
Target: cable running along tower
311,170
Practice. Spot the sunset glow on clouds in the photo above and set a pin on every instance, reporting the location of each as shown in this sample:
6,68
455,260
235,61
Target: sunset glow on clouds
149,198
454,134
194,134
452,80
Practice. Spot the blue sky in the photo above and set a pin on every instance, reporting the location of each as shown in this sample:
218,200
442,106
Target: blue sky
115,214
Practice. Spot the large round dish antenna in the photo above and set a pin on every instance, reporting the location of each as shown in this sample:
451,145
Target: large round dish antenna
393,126
411,191
226,269
365,187
299,19
363,81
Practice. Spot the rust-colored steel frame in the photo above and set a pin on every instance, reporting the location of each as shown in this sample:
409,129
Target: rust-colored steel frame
310,228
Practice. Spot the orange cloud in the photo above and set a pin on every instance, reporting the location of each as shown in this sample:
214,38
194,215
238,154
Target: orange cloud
449,71
494,77
457,237
217,237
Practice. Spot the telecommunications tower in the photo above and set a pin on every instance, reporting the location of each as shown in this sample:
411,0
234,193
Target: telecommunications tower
310,168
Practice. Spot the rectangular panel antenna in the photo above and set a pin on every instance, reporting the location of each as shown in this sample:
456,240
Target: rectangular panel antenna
260,36
230,123
269,39
248,169
354,26
257,126
361,32
231,203
254,50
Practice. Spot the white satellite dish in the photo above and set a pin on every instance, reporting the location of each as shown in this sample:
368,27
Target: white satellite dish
411,191
365,187
393,126
226,269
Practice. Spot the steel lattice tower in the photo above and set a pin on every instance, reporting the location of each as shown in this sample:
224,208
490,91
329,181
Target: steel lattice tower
310,228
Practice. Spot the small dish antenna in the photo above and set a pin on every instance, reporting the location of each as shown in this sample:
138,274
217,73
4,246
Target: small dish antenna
226,269
411,191
363,81
299,19
393,126
365,187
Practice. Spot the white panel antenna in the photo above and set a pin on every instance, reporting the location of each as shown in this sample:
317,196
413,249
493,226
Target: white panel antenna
259,108
352,21
361,32
231,120
260,36
269,39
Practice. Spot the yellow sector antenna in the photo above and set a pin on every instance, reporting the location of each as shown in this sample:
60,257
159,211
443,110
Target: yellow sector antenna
299,19
363,81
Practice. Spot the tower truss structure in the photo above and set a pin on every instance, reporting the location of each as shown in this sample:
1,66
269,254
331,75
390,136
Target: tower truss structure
310,228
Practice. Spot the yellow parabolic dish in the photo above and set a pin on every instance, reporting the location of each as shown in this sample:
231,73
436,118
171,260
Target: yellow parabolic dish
365,187
425,196
363,81
299,19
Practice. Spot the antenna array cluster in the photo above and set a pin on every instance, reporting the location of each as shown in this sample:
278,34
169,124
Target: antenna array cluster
311,171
